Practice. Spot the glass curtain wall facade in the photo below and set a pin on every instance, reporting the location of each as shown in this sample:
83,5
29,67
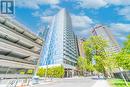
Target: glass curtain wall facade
61,43
43,33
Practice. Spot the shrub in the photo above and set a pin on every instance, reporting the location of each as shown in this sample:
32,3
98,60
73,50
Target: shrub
41,72
55,71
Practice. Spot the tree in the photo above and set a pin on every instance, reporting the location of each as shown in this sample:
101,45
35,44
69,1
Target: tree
95,51
127,45
98,44
55,71
84,65
123,58
88,50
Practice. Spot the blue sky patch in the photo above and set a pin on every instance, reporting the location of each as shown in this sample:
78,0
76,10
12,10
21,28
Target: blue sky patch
115,14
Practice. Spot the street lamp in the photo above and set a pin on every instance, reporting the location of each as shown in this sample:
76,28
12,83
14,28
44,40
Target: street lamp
35,77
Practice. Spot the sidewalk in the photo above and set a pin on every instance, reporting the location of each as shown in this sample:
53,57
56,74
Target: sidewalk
101,83
2,85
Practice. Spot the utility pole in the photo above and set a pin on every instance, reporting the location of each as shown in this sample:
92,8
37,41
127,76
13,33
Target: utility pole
46,70
36,69
35,77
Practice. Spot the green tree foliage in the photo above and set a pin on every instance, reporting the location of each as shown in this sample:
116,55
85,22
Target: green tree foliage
88,50
30,71
94,49
123,58
55,71
100,65
98,44
84,65
41,71
127,45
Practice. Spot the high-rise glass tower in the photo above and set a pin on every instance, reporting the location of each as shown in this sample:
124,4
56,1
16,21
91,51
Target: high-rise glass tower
43,33
106,34
61,42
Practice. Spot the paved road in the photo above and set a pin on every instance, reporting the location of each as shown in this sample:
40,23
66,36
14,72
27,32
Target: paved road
69,82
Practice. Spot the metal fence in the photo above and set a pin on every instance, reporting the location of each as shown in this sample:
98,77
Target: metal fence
125,73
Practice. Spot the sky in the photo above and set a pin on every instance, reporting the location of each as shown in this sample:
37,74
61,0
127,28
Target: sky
114,14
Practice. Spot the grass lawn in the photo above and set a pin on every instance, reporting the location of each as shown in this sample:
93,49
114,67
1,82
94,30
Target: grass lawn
117,83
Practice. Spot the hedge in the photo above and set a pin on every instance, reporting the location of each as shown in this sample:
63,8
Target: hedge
55,71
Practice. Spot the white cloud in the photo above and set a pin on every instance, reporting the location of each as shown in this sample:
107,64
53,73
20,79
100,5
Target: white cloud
125,12
81,21
27,4
36,14
96,4
123,38
118,2
81,24
52,10
34,4
120,30
120,27
92,3
46,16
47,12
77,21
49,1
46,19
55,7
85,32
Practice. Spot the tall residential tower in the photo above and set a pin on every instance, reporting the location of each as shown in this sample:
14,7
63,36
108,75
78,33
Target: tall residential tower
61,43
106,34
81,48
